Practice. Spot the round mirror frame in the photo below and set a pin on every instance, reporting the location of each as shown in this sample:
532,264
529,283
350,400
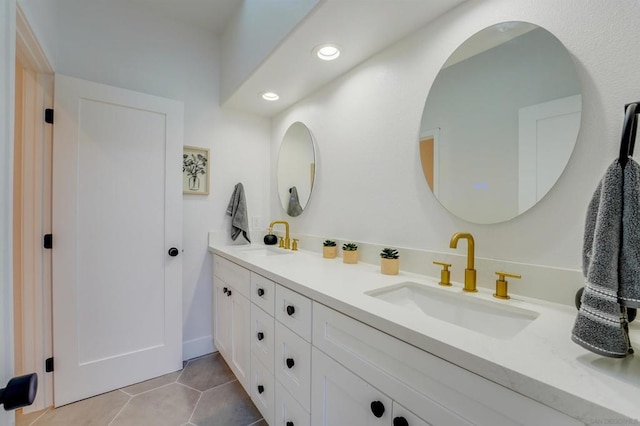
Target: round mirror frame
295,174
478,173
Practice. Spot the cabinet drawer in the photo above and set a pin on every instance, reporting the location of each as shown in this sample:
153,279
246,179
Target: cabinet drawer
263,391
294,311
263,292
262,336
288,410
432,388
342,398
232,274
293,364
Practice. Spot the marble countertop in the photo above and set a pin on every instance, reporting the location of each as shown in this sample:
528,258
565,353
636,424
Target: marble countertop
540,362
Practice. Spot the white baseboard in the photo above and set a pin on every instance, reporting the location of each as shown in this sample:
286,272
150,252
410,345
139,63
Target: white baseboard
197,347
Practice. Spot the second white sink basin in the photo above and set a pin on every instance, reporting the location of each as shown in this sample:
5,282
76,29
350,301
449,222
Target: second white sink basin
493,319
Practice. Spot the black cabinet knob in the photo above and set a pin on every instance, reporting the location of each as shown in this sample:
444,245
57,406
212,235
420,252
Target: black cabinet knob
173,252
260,388
260,335
289,423
225,290
228,292
261,292
400,421
290,362
377,408
290,310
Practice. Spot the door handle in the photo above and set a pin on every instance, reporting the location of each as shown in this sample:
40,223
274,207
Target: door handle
173,252
20,392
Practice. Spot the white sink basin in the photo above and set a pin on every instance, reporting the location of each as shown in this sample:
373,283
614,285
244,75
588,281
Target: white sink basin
466,310
264,251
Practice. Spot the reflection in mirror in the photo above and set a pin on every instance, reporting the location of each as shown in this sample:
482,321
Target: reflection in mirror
500,122
296,169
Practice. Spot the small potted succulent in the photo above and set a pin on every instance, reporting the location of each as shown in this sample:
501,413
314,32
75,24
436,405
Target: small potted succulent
329,249
389,261
350,253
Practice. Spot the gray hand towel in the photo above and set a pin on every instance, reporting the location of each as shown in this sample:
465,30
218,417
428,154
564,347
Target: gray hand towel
237,209
598,326
629,292
294,208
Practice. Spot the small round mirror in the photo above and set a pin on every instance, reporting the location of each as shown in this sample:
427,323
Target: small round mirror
500,122
296,169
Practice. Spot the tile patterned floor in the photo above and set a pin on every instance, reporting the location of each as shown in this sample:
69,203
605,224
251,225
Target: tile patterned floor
204,393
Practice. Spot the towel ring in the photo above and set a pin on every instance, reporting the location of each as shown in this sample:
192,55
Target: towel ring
628,141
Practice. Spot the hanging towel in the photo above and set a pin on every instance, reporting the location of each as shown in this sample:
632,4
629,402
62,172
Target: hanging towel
629,292
237,209
294,209
598,326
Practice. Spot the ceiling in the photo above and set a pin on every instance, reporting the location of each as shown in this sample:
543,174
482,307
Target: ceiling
210,15
360,27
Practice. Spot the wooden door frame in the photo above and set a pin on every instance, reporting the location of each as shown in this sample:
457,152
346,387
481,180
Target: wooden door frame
32,205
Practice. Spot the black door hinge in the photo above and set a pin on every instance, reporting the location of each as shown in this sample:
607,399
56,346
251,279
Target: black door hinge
48,241
48,115
48,365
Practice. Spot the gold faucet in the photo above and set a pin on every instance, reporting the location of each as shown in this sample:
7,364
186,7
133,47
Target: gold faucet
287,240
469,273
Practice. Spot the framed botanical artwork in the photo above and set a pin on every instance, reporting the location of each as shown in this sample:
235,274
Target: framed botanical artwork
195,170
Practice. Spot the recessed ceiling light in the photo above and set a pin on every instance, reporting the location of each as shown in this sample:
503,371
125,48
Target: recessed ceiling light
270,96
327,52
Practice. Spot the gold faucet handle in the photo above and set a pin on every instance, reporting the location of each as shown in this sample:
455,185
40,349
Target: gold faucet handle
294,244
445,274
281,242
502,284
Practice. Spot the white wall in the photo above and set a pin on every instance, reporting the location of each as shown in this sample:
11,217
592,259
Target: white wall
369,185
7,72
119,44
251,35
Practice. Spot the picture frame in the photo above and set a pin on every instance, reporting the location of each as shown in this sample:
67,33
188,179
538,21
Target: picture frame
195,170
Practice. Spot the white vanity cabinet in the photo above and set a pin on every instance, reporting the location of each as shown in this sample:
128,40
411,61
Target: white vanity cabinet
232,313
305,364
434,390
280,357
262,391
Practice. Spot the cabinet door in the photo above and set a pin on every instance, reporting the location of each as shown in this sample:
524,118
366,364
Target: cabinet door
221,318
262,336
263,391
403,417
339,397
240,336
293,364
289,412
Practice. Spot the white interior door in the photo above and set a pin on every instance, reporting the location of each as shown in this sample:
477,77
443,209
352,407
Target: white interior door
547,135
117,210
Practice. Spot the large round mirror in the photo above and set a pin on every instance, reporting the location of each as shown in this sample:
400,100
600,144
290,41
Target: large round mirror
296,169
500,122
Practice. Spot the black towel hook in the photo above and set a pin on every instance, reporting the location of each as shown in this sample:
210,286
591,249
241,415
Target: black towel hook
628,141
